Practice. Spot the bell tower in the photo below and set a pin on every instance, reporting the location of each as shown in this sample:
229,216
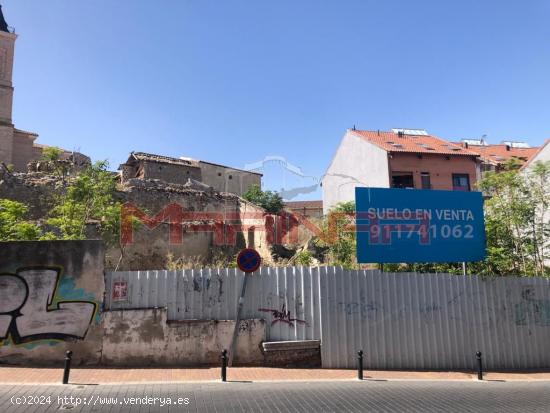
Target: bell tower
7,46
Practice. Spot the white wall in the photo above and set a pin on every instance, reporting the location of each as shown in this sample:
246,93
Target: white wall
355,163
542,156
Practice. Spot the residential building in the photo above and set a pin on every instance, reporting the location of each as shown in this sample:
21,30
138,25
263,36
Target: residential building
400,158
309,209
542,154
179,171
494,157
17,147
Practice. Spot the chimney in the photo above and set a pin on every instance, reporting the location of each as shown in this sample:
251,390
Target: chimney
400,133
507,147
465,144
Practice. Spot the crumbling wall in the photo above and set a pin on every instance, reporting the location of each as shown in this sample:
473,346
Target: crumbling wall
206,213
144,337
215,226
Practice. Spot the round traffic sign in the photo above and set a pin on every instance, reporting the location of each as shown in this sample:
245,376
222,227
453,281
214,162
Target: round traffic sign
248,260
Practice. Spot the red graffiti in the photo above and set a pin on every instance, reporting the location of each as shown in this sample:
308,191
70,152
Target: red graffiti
283,316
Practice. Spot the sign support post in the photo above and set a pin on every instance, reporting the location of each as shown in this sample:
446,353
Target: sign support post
248,261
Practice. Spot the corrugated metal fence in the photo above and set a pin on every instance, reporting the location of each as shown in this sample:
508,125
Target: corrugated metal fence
402,320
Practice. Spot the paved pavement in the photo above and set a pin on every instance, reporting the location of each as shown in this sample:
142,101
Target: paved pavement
319,396
24,375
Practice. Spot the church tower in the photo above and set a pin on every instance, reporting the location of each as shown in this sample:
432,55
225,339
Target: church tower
7,46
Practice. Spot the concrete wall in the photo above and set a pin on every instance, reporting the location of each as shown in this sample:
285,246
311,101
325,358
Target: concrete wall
224,179
144,337
441,170
51,293
356,163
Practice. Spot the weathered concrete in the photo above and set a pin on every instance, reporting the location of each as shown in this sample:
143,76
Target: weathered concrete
51,293
144,337
299,353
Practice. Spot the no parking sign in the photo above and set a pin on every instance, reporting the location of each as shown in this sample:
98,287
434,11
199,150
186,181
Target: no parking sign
248,260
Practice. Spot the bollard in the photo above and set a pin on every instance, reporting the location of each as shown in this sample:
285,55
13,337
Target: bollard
360,364
224,365
67,369
479,366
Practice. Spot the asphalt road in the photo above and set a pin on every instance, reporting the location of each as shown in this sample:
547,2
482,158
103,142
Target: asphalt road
336,396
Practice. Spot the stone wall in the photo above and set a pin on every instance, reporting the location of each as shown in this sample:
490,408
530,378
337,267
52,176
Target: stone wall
199,245
171,173
225,179
51,294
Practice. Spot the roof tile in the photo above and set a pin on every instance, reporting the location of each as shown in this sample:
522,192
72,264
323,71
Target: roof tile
392,142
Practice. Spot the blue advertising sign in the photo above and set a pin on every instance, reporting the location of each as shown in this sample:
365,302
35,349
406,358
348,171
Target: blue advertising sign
412,225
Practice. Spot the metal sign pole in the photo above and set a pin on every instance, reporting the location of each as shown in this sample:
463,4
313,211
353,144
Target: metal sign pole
237,322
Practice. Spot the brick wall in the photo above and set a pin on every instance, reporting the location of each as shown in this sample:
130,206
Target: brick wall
439,167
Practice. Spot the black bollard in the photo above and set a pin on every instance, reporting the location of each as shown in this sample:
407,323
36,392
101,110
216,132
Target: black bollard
479,366
360,364
67,369
224,365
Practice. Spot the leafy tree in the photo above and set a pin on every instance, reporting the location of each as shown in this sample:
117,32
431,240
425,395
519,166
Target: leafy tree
52,156
517,230
338,235
269,200
13,226
51,153
88,198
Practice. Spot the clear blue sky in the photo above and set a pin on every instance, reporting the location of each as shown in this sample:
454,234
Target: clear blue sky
235,81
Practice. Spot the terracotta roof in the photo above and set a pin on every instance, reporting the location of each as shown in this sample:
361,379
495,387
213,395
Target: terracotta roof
304,204
499,154
392,142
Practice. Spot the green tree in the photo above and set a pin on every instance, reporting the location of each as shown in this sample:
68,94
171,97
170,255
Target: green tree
52,156
269,200
13,226
338,235
89,198
517,230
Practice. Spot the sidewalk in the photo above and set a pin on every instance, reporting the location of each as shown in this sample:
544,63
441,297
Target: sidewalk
24,375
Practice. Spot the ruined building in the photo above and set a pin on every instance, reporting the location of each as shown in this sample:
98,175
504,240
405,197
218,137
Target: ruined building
181,171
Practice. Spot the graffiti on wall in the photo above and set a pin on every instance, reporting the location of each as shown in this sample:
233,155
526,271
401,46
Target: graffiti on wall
532,310
35,305
282,316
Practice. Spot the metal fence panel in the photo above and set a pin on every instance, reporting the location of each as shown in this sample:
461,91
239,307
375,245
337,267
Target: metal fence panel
433,321
400,320
284,296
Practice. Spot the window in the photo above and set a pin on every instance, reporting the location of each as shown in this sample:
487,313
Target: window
402,180
425,179
461,182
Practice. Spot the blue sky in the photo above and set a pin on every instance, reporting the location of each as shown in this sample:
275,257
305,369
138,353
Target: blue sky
233,82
